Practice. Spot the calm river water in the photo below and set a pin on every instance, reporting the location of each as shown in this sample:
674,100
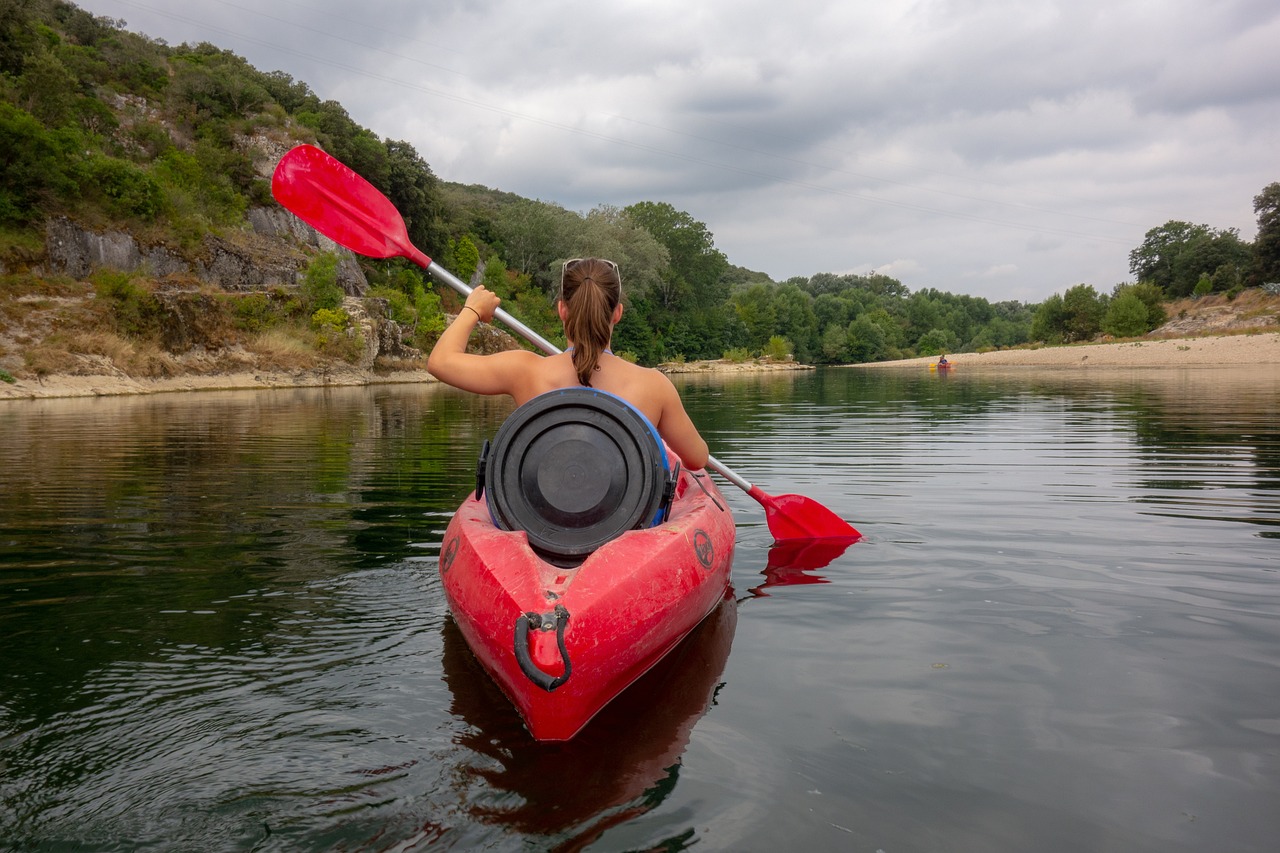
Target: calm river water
223,629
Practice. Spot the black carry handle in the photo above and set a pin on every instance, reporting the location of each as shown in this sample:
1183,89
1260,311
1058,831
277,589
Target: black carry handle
557,619
482,469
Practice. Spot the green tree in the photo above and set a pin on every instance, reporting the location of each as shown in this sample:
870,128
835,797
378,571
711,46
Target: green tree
778,348
464,257
17,36
46,88
823,284
1126,316
886,286
1151,298
215,83
1220,255
832,309
199,191
533,234
696,266
1049,322
1083,309
414,189
35,168
525,300
430,317
937,342
1156,258
1266,245
796,321
496,278
835,343
634,334
1177,254
756,310
1009,325
320,288
610,232
293,95
128,190
923,313
866,340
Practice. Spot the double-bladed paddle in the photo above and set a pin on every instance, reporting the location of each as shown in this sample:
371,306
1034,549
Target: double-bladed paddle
332,198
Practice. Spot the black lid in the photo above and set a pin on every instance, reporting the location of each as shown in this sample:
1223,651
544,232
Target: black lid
575,468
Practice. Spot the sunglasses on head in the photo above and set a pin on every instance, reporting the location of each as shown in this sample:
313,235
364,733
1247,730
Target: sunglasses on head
575,261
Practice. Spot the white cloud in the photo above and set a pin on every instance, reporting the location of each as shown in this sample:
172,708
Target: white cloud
997,271
899,268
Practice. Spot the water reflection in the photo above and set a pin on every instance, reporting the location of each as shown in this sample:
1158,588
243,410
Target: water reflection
797,562
1205,438
621,765
1196,431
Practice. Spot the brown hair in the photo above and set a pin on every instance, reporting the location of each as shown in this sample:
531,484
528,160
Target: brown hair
590,289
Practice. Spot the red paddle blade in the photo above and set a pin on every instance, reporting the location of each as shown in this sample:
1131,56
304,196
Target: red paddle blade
326,194
798,517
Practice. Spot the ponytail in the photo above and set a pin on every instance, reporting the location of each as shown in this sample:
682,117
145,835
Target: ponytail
590,289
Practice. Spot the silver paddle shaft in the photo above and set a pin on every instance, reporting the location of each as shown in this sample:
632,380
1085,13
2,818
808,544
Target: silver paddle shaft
511,322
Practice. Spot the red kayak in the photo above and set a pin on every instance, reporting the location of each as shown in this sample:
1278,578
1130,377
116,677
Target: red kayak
564,623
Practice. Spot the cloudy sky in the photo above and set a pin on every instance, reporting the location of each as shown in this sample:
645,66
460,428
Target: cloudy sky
1002,148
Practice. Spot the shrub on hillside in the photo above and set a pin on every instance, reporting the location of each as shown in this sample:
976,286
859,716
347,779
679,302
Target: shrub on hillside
320,287
128,190
778,348
133,309
1126,316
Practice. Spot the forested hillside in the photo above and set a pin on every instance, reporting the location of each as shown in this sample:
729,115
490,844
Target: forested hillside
112,131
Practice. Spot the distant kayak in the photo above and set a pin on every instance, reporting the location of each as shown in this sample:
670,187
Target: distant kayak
936,366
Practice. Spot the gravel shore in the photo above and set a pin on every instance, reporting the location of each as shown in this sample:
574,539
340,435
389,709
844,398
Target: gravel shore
1228,350
108,386
1261,348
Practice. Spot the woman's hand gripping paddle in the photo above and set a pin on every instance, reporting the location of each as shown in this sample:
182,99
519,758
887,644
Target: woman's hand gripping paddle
352,212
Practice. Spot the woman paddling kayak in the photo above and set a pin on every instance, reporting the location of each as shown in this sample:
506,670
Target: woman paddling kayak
590,305
586,553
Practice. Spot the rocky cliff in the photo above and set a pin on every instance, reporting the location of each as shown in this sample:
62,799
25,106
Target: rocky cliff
54,333
270,255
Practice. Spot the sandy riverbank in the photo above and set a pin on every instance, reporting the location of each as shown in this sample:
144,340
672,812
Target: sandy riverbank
1250,349
107,386
720,365
1262,348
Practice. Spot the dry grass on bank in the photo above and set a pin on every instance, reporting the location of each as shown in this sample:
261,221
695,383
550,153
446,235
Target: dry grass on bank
282,349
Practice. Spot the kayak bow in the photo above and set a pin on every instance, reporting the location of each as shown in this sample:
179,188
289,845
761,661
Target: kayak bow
562,642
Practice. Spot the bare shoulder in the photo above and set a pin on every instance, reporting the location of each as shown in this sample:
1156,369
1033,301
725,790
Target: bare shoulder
518,356
654,381
652,374
663,381
511,372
